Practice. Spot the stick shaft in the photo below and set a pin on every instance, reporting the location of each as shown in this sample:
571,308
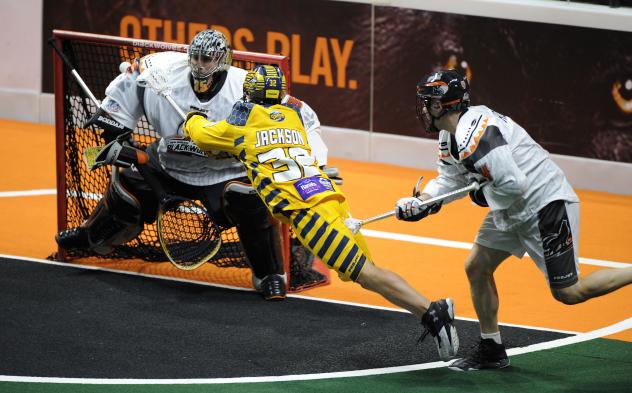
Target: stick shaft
382,216
74,73
175,106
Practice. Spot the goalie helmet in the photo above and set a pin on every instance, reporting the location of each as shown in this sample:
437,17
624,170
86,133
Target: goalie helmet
264,84
209,53
448,87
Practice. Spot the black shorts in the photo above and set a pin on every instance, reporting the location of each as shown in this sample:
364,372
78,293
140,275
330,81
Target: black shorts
558,245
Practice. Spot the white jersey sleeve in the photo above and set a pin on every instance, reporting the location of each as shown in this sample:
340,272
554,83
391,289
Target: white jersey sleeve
122,101
483,149
523,177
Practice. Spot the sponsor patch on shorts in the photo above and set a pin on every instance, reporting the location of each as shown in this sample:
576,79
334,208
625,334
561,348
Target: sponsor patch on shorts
311,186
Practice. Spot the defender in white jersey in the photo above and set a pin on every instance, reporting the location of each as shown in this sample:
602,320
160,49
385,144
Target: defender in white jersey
533,208
203,81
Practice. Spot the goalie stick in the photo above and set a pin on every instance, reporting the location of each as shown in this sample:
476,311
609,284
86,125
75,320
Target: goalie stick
355,224
82,84
155,79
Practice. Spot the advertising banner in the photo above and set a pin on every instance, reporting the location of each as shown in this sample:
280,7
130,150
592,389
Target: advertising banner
357,64
569,87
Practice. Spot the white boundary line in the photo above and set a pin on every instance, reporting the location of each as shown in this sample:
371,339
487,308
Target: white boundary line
466,246
10,194
612,329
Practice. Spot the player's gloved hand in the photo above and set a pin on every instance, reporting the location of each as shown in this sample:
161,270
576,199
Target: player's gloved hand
477,196
190,115
411,209
117,153
332,173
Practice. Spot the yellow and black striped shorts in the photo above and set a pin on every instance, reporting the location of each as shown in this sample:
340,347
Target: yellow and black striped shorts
321,229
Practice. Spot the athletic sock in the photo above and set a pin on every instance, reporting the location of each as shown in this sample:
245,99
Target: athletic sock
493,336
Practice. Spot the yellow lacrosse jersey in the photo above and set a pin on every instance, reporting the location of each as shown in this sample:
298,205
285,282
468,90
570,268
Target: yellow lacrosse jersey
272,144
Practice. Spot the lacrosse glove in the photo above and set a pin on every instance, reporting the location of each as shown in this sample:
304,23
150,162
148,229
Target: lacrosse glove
332,173
478,198
411,209
120,154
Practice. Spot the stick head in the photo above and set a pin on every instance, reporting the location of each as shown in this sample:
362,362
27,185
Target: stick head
156,79
353,224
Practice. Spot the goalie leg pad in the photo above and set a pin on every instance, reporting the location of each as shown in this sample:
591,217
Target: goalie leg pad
116,220
259,233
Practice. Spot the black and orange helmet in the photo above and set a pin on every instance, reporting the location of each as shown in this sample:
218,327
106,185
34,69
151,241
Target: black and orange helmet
449,87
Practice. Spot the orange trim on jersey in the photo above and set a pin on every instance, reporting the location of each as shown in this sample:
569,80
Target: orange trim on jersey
477,137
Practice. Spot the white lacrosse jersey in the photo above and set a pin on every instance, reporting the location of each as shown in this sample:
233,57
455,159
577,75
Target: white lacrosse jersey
126,102
489,145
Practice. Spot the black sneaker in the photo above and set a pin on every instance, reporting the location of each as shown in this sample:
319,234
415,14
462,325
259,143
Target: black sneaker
273,287
438,323
74,238
487,354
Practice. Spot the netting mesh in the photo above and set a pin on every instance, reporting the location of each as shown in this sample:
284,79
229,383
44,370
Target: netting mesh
98,63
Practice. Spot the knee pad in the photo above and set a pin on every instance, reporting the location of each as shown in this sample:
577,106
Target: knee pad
244,207
116,219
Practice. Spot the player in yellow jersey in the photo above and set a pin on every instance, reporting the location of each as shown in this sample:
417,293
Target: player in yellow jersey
265,132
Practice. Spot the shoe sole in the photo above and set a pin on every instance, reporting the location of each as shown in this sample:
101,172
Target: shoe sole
273,298
447,352
489,366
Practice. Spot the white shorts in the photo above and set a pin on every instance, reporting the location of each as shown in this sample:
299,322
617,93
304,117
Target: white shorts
550,238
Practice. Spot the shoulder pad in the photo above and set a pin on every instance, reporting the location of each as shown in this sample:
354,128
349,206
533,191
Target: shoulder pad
447,148
162,59
469,131
239,114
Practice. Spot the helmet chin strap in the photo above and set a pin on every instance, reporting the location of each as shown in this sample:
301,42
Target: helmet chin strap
433,127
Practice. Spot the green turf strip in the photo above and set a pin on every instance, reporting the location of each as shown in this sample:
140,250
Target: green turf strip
598,365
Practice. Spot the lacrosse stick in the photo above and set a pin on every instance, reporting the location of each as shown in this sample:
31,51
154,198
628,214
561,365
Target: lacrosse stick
155,79
355,224
74,73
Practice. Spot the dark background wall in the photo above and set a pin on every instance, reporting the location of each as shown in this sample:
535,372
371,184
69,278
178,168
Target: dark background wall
570,87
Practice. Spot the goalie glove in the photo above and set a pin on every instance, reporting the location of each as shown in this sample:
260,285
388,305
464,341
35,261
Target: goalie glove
411,209
111,128
117,153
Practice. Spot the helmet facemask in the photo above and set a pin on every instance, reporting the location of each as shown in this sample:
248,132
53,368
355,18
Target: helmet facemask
447,88
209,54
